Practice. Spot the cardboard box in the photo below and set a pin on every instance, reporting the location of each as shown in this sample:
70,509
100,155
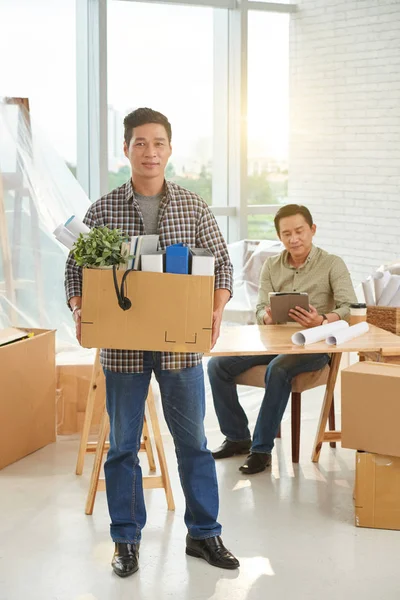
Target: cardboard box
72,384
377,491
168,313
371,408
27,396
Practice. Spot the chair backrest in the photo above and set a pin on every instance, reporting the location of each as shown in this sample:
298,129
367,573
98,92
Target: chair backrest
305,381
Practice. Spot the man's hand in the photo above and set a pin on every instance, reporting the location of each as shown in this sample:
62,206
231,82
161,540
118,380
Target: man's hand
77,319
216,326
304,318
267,317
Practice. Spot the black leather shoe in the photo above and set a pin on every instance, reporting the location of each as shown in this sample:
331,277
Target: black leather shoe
255,463
213,551
125,559
228,449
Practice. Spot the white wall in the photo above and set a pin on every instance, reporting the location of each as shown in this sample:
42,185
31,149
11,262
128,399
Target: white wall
345,126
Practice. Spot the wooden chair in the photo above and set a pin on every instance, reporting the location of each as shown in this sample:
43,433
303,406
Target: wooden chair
305,381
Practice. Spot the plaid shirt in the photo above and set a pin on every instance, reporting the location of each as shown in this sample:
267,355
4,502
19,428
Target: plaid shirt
183,217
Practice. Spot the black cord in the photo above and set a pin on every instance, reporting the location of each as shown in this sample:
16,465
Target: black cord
123,301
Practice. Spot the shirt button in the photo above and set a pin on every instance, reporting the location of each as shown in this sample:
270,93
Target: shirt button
297,272
294,290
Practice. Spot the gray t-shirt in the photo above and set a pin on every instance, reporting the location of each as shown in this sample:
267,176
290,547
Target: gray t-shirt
150,206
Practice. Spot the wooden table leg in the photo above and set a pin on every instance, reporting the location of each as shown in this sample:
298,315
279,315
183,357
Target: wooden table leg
98,460
322,435
88,413
147,445
160,450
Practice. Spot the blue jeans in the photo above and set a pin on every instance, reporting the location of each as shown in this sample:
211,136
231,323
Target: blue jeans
278,382
183,401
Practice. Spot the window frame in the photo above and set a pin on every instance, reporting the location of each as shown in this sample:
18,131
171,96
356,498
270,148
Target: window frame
230,99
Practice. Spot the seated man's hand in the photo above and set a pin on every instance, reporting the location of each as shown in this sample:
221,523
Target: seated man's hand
304,318
267,316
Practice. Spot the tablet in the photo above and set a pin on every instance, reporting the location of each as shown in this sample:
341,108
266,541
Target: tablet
282,302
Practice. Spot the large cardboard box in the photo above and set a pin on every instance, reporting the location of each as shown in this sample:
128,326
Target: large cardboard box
27,396
371,408
72,387
168,313
377,491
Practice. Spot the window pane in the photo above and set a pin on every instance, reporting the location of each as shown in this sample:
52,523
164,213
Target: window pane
37,46
268,115
161,56
261,227
275,2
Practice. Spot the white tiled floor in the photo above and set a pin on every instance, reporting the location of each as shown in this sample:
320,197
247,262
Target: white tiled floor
292,529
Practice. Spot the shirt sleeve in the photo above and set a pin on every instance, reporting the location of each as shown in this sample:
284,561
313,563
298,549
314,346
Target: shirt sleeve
73,273
342,288
265,287
209,236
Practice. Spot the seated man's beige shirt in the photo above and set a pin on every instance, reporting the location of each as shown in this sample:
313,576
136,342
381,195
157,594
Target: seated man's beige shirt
323,276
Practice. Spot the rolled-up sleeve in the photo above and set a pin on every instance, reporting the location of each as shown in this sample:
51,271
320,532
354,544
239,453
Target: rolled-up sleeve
209,236
73,273
342,288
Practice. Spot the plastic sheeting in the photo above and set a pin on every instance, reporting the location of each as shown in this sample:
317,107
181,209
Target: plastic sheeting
248,257
37,192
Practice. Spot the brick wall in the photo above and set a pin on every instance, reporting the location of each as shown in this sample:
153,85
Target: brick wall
345,126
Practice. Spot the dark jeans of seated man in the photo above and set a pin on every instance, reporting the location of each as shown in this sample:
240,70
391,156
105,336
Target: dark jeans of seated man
282,369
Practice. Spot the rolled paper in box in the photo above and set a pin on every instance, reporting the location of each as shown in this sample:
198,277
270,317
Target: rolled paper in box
317,334
381,279
64,236
368,290
75,226
344,335
390,290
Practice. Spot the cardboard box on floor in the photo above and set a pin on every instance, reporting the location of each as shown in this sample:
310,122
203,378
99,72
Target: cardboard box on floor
27,395
371,408
168,313
377,491
72,384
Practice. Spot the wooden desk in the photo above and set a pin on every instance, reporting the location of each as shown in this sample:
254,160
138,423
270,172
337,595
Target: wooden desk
242,340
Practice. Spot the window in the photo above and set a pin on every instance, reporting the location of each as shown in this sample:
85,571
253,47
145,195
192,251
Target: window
37,46
268,117
161,56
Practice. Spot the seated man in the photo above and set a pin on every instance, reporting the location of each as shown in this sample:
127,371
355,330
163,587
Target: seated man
301,267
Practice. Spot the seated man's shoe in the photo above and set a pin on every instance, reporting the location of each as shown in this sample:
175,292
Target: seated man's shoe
125,559
255,463
213,551
228,448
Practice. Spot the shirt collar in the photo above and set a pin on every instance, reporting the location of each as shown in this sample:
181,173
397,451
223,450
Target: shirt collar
130,192
307,261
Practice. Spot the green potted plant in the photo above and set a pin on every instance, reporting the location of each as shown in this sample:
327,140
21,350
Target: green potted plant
101,248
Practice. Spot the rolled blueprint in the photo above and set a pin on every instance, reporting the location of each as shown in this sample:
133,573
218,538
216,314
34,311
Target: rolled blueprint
381,279
344,335
75,226
389,291
64,236
317,334
368,290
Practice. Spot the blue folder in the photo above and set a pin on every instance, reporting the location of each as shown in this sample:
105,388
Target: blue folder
177,259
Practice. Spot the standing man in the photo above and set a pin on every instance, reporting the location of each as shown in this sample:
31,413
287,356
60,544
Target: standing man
148,204
301,267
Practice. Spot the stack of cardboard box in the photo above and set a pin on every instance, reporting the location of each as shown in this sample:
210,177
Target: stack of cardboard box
370,425
27,393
